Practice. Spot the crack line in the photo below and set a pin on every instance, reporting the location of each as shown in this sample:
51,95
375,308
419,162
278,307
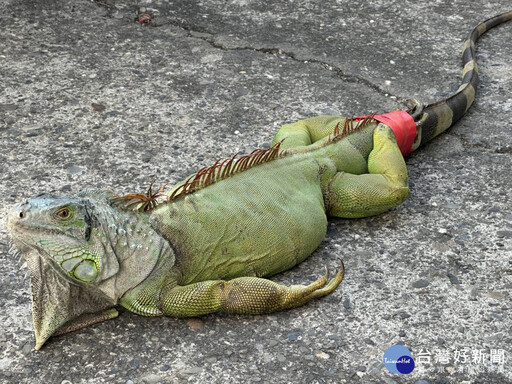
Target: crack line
210,39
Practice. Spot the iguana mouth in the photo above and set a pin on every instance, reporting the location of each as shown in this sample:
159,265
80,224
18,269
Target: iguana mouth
17,226
21,246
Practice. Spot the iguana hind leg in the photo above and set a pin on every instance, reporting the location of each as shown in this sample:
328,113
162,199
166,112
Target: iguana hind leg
243,295
385,186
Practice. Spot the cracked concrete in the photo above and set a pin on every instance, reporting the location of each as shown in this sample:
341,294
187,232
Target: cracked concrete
277,51
212,40
206,79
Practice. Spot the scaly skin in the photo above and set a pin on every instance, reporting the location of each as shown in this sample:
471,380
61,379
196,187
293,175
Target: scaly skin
208,242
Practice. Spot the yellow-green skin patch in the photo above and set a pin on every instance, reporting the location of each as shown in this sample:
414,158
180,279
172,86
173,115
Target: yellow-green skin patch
76,262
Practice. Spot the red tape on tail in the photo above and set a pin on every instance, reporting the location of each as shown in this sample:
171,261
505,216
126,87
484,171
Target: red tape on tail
403,126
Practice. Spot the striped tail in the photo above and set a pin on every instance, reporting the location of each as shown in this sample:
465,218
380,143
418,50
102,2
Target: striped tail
441,115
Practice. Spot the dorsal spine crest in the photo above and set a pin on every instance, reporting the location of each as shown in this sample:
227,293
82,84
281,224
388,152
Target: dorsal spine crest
350,126
224,168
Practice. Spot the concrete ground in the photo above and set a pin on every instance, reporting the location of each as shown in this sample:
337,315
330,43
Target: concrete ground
206,79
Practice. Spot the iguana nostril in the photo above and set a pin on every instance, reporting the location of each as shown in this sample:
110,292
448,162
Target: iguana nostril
22,215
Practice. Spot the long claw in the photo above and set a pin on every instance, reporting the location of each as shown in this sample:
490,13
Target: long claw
342,266
331,285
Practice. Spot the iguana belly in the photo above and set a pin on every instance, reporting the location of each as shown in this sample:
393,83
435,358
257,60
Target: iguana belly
256,223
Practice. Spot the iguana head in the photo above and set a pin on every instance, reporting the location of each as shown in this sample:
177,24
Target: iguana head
60,228
79,251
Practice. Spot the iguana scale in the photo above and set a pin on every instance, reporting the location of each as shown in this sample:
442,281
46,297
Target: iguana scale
206,244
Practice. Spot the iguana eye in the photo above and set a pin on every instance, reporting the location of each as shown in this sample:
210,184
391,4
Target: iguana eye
63,213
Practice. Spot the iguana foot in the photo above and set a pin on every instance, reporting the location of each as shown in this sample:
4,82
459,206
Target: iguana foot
319,288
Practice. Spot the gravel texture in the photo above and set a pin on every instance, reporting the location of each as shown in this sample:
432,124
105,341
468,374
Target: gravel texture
92,98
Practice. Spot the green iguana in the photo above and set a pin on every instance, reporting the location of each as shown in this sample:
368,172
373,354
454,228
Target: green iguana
205,244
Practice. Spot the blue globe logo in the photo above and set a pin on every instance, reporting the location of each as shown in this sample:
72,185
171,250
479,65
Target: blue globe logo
398,359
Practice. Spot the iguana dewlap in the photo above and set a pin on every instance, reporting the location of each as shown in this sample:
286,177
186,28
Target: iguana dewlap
206,244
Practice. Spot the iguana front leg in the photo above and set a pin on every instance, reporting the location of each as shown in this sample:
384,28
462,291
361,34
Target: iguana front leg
243,295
